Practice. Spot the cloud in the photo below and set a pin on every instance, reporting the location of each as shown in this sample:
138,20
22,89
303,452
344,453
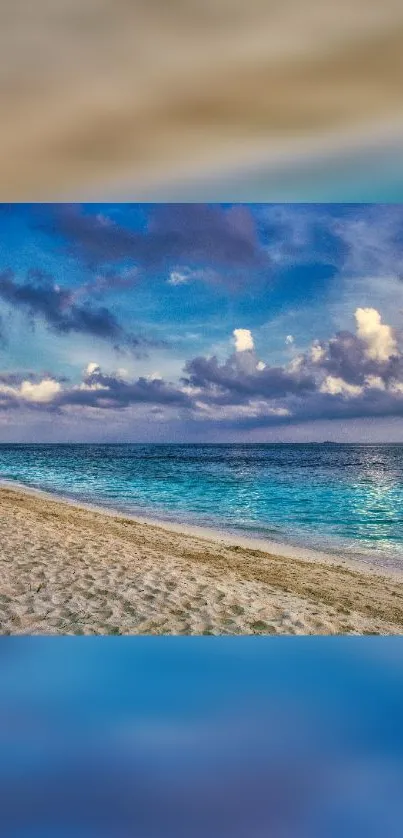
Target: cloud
375,382
109,280
243,340
359,240
317,352
182,234
351,375
92,368
378,338
354,365
372,240
178,278
371,352
43,392
185,275
96,390
255,411
336,386
235,381
303,234
357,374
40,296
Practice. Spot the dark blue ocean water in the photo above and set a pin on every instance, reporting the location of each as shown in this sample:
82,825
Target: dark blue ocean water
345,498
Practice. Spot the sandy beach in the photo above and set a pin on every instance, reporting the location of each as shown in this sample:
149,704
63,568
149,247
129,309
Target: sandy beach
67,569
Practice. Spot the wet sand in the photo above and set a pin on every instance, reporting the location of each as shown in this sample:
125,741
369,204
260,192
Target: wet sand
66,569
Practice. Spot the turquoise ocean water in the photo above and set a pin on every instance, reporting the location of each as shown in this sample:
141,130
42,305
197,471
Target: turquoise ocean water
338,498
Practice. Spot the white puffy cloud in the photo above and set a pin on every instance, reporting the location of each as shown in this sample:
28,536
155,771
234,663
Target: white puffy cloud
243,340
41,392
396,387
92,368
154,376
94,385
378,337
296,364
318,353
334,386
375,382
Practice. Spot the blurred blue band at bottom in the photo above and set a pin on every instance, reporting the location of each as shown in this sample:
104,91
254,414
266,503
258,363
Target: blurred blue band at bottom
201,737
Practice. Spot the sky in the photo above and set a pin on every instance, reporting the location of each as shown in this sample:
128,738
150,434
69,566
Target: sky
201,322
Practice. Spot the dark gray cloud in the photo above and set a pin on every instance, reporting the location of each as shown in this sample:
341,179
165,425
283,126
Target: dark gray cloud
108,280
176,234
40,296
115,392
13,379
372,402
317,408
345,356
349,376
95,390
240,377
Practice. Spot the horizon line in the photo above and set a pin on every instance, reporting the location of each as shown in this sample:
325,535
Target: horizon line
139,442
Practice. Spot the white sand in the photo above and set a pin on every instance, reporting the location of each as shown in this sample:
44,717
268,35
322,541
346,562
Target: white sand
67,569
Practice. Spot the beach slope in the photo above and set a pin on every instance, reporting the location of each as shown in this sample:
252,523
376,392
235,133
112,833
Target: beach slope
66,569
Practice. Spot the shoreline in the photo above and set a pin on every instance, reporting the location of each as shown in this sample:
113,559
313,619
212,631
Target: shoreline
67,569
230,538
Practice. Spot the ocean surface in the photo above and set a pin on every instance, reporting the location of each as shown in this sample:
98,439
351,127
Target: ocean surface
336,498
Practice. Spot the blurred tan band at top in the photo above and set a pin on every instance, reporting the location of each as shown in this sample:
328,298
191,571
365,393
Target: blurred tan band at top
96,93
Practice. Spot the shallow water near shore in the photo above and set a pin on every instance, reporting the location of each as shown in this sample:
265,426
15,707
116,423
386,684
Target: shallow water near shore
343,499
